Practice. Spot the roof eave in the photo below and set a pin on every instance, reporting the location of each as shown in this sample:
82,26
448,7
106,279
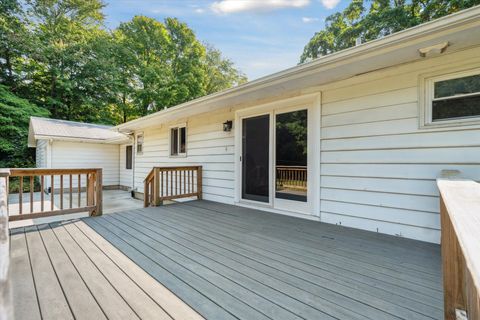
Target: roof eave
342,57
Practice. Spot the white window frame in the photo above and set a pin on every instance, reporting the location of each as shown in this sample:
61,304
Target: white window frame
177,126
427,86
136,142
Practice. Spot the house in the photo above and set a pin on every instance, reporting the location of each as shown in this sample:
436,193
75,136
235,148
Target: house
355,138
68,144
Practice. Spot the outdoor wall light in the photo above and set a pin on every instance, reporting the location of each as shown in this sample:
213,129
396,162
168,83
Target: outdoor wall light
227,126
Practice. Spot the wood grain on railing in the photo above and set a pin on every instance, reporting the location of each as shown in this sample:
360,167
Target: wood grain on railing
50,185
169,183
6,310
460,240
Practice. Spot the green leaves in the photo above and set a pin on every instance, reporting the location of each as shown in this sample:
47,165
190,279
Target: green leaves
15,115
380,18
58,55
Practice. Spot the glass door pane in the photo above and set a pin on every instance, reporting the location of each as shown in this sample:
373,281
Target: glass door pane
291,155
255,158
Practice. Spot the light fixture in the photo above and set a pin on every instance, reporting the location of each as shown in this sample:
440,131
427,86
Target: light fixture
227,126
437,48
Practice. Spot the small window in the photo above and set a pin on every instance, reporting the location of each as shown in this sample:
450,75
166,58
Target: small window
454,97
128,157
140,143
178,141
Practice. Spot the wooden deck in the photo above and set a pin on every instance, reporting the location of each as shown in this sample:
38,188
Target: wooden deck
219,262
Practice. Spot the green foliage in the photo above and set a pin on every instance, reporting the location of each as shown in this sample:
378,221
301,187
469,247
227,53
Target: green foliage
221,72
58,55
380,18
15,114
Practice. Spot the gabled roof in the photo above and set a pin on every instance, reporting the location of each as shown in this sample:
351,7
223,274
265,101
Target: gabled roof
45,128
461,30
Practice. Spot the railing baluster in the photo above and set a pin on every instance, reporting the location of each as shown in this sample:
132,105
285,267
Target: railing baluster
31,194
20,195
52,192
79,200
70,199
61,191
42,192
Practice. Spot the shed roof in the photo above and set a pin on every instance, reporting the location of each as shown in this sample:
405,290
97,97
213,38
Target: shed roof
45,128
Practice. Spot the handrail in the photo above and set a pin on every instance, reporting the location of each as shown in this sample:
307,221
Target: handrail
6,309
51,192
168,183
460,240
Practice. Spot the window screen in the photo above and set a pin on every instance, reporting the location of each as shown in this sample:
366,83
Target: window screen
456,98
178,141
128,157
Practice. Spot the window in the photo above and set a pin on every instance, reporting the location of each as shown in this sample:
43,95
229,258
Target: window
128,157
455,97
178,141
140,143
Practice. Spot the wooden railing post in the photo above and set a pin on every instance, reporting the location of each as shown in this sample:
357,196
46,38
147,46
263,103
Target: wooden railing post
460,245
91,192
156,187
146,196
5,289
452,267
99,192
199,183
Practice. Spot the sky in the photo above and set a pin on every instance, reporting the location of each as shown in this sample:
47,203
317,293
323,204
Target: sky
260,36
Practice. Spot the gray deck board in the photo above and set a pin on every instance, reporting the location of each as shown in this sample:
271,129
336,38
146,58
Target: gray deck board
52,302
24,293
288,271
314,252
217,261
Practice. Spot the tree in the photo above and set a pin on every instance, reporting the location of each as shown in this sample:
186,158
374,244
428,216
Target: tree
14,38
381,18
60,64
221,73
15,115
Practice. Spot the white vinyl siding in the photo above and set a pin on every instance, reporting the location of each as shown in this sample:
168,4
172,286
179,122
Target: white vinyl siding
41,154
126,175
88,155
208,145
379,166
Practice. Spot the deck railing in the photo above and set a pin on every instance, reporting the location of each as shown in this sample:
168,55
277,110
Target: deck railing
6,310
460,240
49,192
293,177
168,183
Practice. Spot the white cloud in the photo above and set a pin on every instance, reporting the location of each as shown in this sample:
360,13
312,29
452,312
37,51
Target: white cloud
233,6
330,4
309,20
199,10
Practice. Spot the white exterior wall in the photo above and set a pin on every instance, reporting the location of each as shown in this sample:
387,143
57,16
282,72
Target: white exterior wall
65,154
126,175
378,167
41,154
207,145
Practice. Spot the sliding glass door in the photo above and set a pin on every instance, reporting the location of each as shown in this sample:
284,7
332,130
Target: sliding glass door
256,158
291,151
274,159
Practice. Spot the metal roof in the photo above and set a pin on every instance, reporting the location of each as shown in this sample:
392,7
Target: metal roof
45,128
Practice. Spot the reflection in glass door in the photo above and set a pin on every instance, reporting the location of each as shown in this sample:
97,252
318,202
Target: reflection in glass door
291,155
256,158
